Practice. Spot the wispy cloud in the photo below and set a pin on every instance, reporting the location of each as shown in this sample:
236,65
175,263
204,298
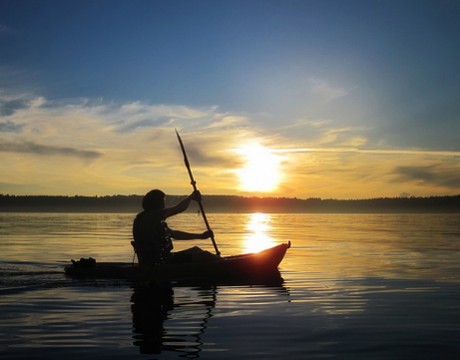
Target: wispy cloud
39,149
9,126
438,174
229,121
128,145
326,91
354,150
9,106
136,115
89,147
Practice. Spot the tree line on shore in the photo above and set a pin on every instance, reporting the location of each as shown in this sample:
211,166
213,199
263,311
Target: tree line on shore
233,204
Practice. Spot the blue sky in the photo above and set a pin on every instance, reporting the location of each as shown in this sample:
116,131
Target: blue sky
357,98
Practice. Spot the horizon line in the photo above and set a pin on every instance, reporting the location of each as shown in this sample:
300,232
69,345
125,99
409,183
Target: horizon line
408,196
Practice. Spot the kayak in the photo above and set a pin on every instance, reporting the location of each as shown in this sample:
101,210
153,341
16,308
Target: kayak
261,265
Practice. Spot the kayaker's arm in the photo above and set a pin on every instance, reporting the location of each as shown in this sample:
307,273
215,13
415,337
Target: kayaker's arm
182,205
182,235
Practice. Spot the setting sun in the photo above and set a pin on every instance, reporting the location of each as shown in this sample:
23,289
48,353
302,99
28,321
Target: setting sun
261,169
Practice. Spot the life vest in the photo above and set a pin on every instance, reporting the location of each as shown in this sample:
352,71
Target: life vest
151,237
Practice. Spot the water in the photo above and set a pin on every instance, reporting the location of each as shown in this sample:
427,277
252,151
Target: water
355,287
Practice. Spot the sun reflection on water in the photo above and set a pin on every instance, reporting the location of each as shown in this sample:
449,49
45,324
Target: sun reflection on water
258,227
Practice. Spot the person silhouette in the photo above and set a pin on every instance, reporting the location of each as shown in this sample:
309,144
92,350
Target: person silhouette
153,237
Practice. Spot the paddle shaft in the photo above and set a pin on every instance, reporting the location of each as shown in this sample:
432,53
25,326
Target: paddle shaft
193,182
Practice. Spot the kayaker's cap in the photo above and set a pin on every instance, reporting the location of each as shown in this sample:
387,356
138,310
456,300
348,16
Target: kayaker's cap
154,199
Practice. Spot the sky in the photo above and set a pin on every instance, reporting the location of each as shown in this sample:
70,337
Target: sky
329,98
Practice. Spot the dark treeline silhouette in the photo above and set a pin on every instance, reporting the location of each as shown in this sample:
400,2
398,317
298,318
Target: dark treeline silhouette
233,204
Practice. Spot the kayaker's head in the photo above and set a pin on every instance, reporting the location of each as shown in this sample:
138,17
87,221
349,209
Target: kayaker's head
154,199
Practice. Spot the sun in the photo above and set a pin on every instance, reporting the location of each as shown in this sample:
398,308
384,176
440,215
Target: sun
261,170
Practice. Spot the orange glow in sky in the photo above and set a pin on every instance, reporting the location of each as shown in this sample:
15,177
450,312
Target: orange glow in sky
264,111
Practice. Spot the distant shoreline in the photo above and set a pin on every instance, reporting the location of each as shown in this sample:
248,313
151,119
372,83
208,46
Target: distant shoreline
233,204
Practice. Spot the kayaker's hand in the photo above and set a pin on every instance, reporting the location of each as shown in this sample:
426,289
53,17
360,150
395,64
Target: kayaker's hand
196,195
207,234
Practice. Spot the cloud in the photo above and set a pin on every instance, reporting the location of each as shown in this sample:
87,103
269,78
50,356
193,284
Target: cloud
229,121
38,149
9,126
136,116
139,124
440,175
203,153
326,91
130,147
383,152
10,106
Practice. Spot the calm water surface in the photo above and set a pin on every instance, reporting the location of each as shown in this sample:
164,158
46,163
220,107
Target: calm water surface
355,287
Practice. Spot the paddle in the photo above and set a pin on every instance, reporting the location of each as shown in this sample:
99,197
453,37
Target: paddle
193,182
